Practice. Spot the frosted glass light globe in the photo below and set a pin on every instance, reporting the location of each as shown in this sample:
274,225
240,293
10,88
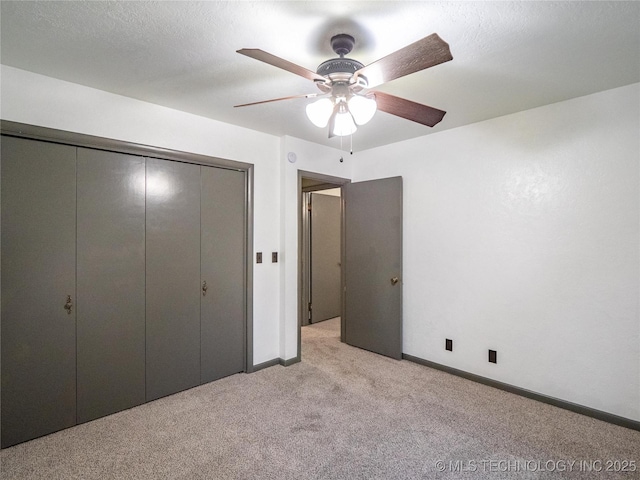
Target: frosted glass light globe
362,108
344,124
319,112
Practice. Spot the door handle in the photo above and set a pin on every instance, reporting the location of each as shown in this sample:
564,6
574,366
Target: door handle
204,288
394,280
69,305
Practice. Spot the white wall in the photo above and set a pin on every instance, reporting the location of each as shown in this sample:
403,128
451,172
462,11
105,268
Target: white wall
521,234
47,102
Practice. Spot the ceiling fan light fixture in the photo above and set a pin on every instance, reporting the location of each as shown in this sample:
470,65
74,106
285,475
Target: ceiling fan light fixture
363,108
344,82
320,111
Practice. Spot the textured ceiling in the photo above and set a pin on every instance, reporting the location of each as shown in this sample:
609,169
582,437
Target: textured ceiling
508,56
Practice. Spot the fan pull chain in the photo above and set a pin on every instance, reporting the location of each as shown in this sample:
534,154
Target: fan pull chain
350,147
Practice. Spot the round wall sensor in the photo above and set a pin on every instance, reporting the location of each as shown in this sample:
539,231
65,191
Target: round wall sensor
292,157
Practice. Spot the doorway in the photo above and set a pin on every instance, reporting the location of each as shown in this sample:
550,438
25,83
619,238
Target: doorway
321,255
320,250
373,247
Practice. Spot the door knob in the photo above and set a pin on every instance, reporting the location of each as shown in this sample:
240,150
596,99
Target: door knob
394,280
69,305
204,288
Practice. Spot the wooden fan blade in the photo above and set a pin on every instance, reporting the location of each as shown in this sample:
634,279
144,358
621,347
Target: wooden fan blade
281,63
425,53
308,95
413,111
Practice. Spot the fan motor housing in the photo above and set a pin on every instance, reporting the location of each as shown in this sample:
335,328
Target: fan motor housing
339,65
340,71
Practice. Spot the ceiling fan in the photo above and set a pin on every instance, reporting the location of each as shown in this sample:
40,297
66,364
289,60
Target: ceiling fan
346,99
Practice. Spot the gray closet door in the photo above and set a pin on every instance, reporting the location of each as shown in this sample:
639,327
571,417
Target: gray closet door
325,257
373,265
38,273
223,217
172,277
111,282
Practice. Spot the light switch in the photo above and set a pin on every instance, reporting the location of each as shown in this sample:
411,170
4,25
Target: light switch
259,257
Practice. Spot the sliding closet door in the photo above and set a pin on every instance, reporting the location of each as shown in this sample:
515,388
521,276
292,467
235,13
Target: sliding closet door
38,289
223,216
173,277
111,282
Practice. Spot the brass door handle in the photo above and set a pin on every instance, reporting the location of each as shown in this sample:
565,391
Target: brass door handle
69,305
204,288
394,280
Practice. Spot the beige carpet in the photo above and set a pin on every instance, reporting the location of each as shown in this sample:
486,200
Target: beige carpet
342,413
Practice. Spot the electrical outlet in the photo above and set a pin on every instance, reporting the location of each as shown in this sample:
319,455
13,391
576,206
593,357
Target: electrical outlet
448,344
259,257
274,257
493,356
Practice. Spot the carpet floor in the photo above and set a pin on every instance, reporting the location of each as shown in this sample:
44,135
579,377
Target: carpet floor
342,413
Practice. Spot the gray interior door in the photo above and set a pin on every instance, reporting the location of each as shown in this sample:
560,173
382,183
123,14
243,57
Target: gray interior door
223,220
172,277
38,273
373,265
325,257
111,282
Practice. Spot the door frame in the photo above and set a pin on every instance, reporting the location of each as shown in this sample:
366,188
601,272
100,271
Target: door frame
22,130
324,182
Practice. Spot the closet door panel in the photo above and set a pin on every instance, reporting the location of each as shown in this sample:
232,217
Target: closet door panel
223,217
111,282
38,272
173,277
